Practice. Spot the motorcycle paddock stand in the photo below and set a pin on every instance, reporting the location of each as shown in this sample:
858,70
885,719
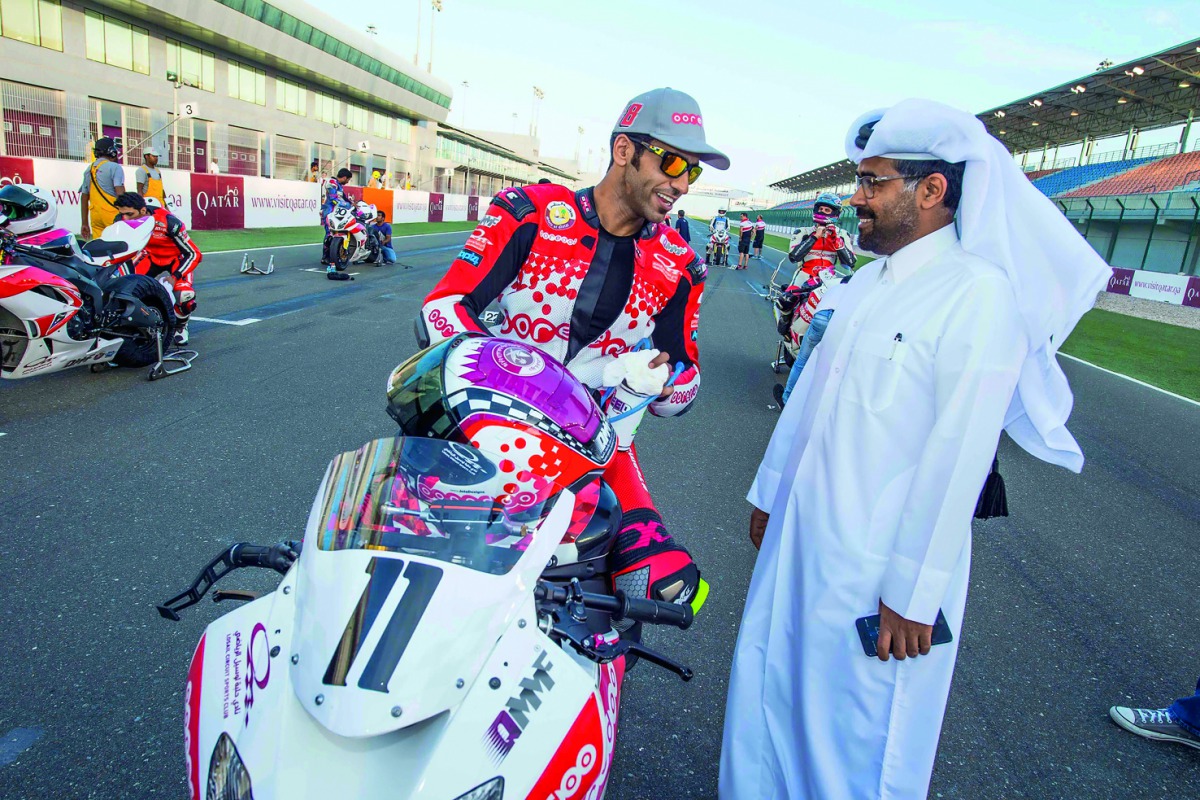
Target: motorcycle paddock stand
248,267
778,365
172,362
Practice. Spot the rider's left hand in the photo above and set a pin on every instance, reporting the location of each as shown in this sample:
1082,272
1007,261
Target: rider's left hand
658,361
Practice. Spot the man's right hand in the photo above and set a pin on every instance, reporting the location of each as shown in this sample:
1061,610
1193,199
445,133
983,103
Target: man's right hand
85,232
758,526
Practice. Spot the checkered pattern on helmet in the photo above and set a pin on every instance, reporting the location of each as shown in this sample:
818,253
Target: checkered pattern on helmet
473,400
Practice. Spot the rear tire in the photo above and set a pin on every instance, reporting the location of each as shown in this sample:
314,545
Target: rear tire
141,349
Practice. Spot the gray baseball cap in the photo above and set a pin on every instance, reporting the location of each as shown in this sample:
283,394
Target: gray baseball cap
673,117
152,151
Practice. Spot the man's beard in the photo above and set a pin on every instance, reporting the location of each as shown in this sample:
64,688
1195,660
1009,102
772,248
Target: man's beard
896,229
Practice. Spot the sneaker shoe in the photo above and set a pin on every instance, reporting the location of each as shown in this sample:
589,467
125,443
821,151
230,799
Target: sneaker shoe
777,392
1153,723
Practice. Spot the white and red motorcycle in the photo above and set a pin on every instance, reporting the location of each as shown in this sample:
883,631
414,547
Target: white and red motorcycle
63,306
350,239
446,631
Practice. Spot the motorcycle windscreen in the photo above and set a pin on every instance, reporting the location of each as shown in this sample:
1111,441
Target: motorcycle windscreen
418,555
435,499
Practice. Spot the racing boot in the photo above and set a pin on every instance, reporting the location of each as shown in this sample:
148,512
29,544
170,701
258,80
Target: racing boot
185,304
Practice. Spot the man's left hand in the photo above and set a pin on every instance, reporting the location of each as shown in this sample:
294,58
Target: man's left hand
658,361
902,637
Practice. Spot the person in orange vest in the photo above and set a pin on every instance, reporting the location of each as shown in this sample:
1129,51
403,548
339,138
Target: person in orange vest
148,178
103,181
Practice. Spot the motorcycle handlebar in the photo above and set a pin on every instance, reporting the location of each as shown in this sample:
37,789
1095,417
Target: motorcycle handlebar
621,606
278,557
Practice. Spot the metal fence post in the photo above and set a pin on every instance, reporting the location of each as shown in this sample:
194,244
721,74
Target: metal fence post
1191,233
1112,243
1150,238
1091,213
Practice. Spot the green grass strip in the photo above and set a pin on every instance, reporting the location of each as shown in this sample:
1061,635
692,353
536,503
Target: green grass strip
218,241
1159,354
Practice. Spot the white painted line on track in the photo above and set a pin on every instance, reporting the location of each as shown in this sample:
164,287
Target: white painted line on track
754,289
322,271
238,322
318,244
1134,380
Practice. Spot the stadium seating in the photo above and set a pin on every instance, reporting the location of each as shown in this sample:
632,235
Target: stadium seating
1175,173
1072,178
1040,173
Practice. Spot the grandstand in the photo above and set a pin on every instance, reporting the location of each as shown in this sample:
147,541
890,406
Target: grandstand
1078,142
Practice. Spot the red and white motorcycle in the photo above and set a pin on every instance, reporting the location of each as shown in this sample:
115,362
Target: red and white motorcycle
446,631
63,306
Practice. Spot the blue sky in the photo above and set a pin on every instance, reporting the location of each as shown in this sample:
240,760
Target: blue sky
778,82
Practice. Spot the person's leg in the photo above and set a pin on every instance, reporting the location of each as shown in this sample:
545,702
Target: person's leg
389,255
1179,722
646,562
812,337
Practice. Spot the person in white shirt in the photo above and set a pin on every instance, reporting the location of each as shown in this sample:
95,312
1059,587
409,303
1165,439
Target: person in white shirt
864,499
747,230
760,233
214,168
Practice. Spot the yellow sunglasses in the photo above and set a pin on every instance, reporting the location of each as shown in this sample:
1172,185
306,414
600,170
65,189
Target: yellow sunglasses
673,165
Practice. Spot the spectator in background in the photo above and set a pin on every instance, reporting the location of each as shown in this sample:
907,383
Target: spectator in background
383,229
376,181
103,181
744,242
681,225
148,178
214,168
1179,722
312,176
760,233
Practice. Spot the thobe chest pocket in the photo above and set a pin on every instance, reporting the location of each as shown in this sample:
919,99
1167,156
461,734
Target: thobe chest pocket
876,366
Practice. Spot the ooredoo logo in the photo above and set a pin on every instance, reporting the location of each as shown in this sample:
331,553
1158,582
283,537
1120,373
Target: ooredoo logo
630,115
687,119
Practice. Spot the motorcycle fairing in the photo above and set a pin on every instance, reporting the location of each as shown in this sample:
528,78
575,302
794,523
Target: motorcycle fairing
534,727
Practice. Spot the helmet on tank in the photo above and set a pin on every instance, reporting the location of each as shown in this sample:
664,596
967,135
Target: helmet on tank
832,202
27,208
508,399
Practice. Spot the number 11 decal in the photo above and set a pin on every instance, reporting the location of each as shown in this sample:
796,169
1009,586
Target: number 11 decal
423,580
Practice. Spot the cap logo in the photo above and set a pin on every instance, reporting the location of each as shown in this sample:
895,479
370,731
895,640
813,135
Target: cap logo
687,119
630,115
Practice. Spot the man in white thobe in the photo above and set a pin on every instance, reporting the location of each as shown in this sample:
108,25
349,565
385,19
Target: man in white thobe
863,502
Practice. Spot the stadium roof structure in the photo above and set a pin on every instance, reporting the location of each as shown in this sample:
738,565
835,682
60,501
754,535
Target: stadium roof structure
1160,90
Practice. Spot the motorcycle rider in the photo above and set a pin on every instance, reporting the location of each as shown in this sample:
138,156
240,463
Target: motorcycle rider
719,224
103,181
170,251
823,243
333,193
585,276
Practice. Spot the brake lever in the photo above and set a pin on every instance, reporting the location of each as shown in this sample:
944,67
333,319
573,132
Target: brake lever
654,657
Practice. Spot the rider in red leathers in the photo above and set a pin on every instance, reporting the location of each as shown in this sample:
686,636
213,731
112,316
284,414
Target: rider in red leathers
824,244
170,250
587,275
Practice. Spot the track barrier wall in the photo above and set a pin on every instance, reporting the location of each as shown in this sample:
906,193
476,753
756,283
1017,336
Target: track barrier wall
232,202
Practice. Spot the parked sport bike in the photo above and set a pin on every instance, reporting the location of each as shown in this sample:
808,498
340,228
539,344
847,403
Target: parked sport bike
716,251
63,306
794,304
350,239
446,629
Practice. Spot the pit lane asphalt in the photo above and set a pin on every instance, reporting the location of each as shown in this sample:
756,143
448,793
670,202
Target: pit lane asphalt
119,490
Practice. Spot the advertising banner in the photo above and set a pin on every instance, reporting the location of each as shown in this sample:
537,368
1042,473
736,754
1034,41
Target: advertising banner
1159,286
437,207
281,204
1191,295
456,208
410,206
217,202
473,208
15,170
1120,281
381,199
177,188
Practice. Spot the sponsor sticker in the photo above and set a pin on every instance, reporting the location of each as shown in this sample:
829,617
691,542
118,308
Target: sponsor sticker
478,241
556,237
489,221
470,256
518,360
673,249
559,215
511,722
687,119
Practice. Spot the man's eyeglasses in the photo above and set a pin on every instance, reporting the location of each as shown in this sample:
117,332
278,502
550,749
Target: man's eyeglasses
672,164
868,182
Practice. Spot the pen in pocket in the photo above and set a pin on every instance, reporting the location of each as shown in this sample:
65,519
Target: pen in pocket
896,343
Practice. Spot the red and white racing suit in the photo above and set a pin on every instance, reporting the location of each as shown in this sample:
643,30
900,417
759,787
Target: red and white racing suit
572,289
815,254
172,250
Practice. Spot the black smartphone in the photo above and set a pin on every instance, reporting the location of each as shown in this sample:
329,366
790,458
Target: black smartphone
868,632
